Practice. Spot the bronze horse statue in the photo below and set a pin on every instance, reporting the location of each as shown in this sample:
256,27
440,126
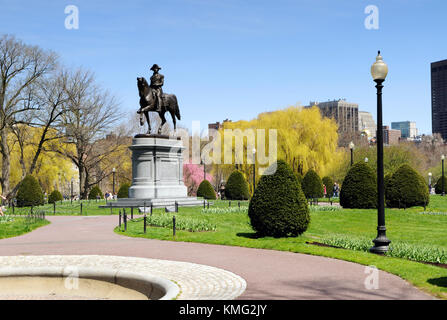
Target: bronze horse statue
148,102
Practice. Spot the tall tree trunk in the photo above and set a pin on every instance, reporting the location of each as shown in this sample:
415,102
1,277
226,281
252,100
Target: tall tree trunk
6,164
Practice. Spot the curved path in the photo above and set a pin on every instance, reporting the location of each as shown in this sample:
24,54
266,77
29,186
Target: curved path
269,274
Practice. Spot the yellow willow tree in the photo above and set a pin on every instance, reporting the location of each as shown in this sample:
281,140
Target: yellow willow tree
305,140
52,170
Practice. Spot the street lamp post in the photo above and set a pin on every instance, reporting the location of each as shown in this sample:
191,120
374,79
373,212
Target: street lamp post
366,160
254,170
351,146
379,71
113,186
71,192
442,178
429,181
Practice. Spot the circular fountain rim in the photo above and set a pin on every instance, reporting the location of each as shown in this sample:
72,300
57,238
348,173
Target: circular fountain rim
154,287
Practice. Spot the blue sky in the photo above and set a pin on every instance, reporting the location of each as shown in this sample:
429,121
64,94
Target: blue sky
235,59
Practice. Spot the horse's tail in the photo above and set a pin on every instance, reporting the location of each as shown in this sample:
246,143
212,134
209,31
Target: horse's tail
177,110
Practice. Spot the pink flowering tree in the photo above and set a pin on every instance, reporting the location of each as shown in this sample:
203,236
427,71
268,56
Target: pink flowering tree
193,176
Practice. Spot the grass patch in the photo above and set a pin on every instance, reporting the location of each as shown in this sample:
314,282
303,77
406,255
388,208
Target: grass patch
16,226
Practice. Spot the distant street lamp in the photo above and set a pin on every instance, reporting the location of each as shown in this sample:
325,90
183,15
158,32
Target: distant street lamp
429,181
71,198
351,146
443,187
379,71
366,160
113,187
254,170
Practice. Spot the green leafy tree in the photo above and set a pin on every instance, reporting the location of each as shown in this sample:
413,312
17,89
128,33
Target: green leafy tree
55,196
29,193
237,187
359,188
278,207
123,191
312,185
206,190
406,188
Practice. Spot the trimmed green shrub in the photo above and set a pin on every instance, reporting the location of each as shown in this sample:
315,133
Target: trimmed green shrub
278,207
438,186
95,192
329,183
312,185
237,187
206,190
54,196
123,191
406,188
29,193
359,188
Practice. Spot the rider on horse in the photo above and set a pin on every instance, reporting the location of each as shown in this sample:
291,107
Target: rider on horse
157,81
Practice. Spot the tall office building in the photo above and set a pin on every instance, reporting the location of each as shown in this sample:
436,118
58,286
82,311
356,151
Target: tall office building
346,114
407,129
439,98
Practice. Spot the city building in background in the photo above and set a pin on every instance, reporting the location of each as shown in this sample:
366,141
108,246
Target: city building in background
390,136
439,98
367,124
407,129
217,125
346,114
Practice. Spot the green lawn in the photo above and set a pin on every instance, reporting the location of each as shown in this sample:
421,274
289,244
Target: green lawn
67,208
18,226
409,226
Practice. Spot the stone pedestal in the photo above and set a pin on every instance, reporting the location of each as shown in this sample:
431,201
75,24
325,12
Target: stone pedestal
157,174
157,168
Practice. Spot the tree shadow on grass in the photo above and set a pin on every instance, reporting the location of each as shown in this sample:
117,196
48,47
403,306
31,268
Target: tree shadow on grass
440,282
249,235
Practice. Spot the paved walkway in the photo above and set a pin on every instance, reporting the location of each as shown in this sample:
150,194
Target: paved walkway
269,274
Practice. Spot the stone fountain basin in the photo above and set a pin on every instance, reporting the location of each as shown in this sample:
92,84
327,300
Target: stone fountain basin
80,283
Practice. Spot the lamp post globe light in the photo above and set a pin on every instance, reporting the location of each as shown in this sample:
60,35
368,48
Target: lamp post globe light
351,146
379,71
443,187
366,160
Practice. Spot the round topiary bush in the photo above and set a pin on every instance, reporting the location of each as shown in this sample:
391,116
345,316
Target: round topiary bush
312,185
206,190
54,197
359,188
95,192
406,188
29,193
438,186
278,207
329,183
237,187
123,191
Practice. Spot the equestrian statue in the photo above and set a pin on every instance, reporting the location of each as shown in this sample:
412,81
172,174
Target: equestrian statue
152,99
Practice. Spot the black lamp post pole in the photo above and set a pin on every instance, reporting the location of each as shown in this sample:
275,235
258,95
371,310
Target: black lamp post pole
71,191
443,190
113,187
381,243
254,173
352,156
